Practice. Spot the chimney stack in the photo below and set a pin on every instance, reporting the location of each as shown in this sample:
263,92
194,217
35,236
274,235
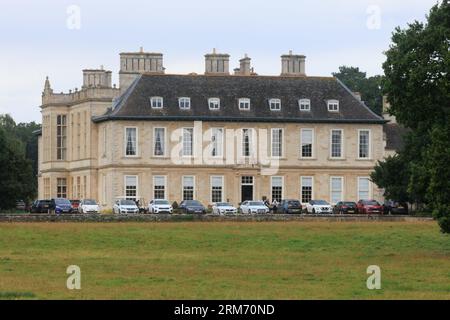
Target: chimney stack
132,64
217,63
293,65
96,78
245,67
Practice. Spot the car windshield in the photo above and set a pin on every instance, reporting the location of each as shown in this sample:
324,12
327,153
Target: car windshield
127,203
161,202
43,202
294,203
349,204
256,203
90,202
320,202
193,203
62,202
371,203
223,204
74,201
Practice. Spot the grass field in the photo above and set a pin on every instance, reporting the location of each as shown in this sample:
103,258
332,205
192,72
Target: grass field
293,260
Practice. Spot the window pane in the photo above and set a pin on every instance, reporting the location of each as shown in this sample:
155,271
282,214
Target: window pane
277,140
131,141
336,189
187,141
188,188
364,188
306,189
336,143
364,143
159,140
307,143
217,142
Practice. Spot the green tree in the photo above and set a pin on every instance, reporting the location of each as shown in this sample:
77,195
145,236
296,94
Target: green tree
417,84
369,88
16,173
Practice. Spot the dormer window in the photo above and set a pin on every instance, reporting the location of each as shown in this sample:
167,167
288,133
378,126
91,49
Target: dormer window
184,103
275,104
333,105
244,104
156,102
214,103
304,104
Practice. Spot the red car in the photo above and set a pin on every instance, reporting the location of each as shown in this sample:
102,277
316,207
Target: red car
369,207
75,204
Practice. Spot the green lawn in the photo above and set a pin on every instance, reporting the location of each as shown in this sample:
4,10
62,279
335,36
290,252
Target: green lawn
293,260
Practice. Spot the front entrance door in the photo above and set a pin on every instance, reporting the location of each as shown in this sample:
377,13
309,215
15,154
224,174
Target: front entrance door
246,188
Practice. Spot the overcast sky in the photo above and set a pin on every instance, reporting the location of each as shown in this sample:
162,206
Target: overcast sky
40,38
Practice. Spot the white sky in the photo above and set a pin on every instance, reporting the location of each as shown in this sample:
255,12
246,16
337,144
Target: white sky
35,40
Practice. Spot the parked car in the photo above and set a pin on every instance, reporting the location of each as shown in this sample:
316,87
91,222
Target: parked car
41,206
192,207
124,206
60,205
369,207
318,206
21,205
395,207
254,207
290,206
75,204
344,207
160,206
223,208
88,206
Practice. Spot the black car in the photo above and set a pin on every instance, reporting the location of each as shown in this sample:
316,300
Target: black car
192,207
395,207
41,206
290,206
344,207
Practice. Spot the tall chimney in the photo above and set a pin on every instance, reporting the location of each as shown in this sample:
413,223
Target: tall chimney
217,63
96,78
134,63
293,65
245,67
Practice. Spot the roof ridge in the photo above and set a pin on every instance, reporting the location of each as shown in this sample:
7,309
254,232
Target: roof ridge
124,97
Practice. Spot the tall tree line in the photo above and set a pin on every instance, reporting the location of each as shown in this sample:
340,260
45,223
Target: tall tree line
18,161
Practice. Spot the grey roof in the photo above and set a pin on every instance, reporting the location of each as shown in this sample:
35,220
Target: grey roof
134,104
394,136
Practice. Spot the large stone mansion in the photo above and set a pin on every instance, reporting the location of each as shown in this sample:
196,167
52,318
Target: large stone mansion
211,137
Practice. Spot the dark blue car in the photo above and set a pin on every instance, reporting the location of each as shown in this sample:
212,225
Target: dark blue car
61,206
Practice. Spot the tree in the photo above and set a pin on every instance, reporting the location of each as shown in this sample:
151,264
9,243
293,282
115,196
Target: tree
369,88
417,84
16,173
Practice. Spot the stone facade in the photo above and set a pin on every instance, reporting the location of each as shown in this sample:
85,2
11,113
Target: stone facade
81,158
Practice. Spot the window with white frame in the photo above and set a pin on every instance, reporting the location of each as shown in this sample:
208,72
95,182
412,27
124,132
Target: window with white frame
333,105
188,187
246,142
277,188
307,142
306,189
156,102
364,144
336,143
275,104
304,104
216,142
130,142
244,104
277,142
336,187
131,183
363,188
184,103
214,103
61,137
159,187
188,142
61,188
159,139
216,189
